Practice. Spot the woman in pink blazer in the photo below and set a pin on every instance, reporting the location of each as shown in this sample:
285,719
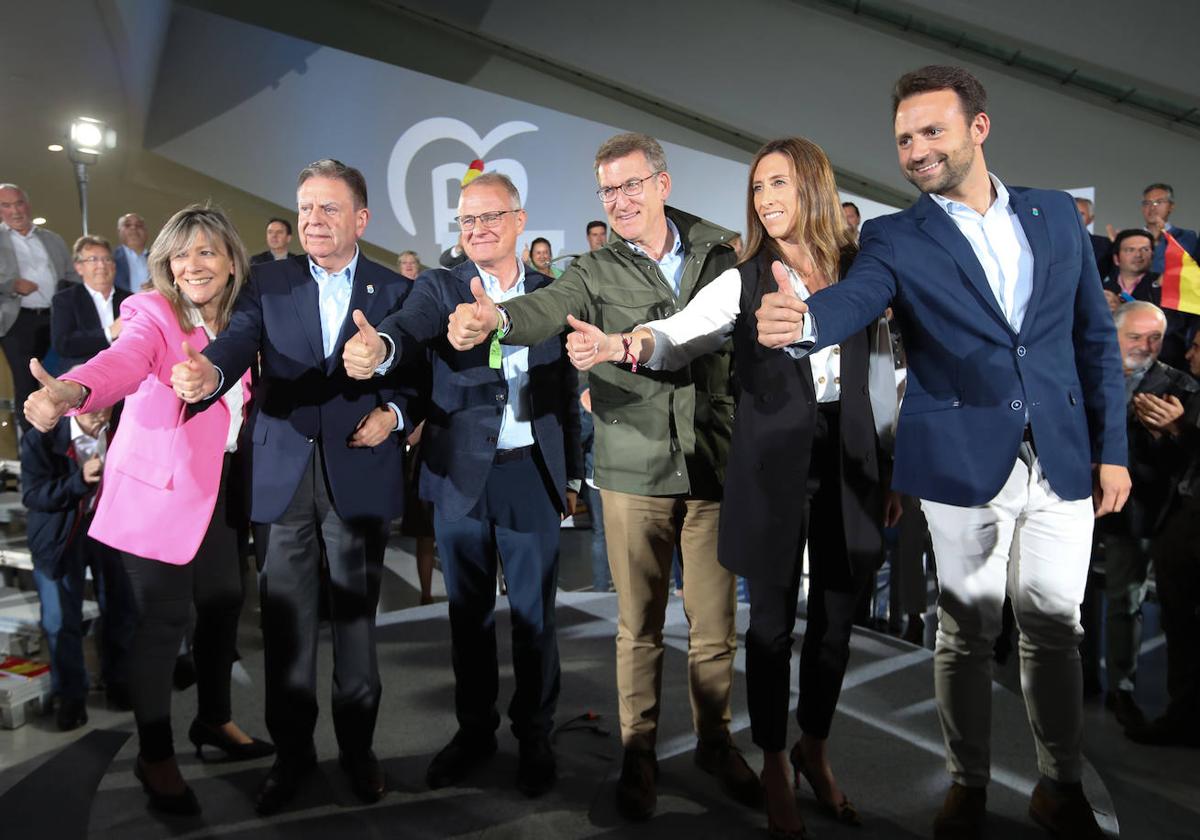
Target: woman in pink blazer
164,490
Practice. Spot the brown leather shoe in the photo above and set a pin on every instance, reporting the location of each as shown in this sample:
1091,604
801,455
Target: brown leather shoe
1064,811
720,758
636,796
961,817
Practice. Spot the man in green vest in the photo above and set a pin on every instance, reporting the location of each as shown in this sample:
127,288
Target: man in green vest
661,443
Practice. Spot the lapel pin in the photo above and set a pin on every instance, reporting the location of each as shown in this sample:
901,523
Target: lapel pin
1035,212
370,289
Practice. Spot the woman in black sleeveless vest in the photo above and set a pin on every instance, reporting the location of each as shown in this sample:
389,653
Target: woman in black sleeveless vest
805,465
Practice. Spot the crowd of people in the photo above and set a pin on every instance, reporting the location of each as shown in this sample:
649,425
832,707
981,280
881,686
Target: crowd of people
734,410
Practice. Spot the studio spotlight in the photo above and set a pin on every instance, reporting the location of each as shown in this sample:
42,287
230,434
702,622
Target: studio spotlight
90,138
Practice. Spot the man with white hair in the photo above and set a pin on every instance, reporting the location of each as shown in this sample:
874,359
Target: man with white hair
34,262
1155,391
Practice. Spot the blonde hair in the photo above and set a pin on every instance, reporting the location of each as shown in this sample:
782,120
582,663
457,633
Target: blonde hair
820,223
177,235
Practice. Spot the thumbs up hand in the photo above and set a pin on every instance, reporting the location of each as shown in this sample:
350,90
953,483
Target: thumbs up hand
365,351
781,314
195,378
589,346
471,323
46,406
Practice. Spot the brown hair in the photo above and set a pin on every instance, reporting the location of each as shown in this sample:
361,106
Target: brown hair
177,235
626,144
971,94
330,168
89,242
820,223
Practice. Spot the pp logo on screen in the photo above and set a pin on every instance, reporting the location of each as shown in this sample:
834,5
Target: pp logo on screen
445,176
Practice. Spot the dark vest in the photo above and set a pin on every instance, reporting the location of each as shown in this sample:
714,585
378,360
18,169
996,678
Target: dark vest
764,514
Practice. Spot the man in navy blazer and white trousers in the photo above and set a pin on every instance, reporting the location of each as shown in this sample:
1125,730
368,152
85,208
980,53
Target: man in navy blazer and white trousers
1012,431
501,464
327,471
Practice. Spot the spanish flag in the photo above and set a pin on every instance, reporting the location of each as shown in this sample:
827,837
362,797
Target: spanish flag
1180,279
473,172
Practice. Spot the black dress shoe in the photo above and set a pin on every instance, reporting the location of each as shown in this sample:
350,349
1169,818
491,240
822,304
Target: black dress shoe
201,734
721,758
636,794
71,714
366,776
537,771
1165,732
458,758
182,804
1064,811
281,783
118,698
1126,709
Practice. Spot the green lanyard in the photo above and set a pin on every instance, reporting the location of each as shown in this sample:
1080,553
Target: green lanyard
495,354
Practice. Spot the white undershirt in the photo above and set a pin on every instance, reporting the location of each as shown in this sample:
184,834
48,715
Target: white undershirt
706,322
103,309
33,260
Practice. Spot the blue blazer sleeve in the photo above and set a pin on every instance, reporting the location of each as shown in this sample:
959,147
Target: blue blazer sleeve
858,299
235,349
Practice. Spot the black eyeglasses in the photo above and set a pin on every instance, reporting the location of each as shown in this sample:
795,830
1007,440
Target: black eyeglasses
488,220
632,187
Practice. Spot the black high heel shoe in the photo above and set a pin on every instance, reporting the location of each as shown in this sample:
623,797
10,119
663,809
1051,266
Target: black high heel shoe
843,812
201,734
182,804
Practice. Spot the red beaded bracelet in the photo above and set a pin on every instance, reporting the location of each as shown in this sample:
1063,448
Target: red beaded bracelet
626,342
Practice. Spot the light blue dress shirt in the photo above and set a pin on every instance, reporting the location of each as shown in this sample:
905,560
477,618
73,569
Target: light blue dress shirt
139,267
516,430
671,262
333,299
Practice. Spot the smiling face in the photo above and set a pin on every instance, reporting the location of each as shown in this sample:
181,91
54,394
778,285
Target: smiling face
937,146
540,255
97,268
490,247
329,223
201,271
640,219
410,266
776,199
14,210
132,232
597,235
1140,336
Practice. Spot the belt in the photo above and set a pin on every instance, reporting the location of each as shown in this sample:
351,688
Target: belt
503,456
36,310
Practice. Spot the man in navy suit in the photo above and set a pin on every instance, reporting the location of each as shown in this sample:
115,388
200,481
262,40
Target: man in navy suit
1013,421
327,471
501,466
85,317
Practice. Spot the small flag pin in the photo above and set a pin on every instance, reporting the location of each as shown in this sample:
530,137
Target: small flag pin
371,288
1036,211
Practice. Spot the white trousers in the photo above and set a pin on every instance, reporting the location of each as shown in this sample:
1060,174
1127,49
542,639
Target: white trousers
1035,546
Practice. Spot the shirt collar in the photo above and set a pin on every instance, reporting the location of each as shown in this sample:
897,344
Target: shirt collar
957,208
32,230
320,274
677,248
491,283
142,253
77,431
97,295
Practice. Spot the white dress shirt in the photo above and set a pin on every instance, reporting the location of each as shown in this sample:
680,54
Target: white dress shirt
1000,245
706,322
34,263
103,309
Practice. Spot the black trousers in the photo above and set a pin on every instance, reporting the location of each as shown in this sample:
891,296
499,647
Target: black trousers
27,338
1176,554
164,595
832,595
517,519
310,541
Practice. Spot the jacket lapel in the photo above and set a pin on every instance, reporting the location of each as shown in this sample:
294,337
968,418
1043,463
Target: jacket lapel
1033,222
308,310
363,293
934,222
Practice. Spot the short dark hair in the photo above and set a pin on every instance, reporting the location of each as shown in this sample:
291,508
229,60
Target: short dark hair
971,94
330,168
1129,234
287,225
852,204
535,242
596,223
1160,186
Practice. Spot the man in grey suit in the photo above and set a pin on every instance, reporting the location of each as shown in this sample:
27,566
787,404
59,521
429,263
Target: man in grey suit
34,263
